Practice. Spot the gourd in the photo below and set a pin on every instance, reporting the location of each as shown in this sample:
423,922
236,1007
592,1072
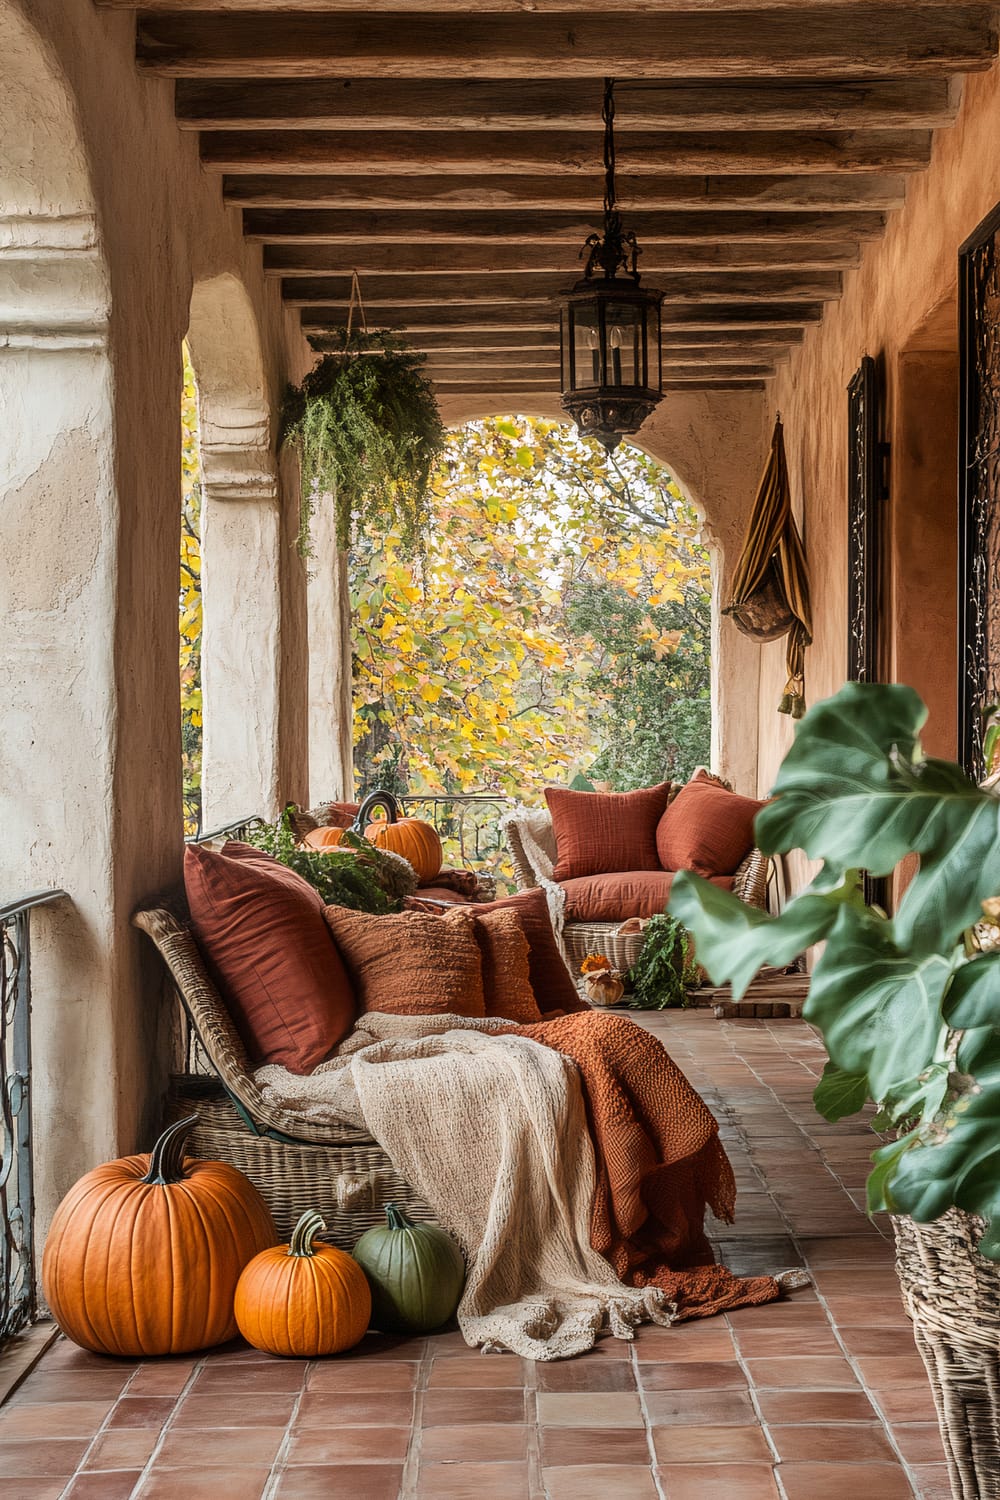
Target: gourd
144,1253
323,838
414,839
416,1273
303,1299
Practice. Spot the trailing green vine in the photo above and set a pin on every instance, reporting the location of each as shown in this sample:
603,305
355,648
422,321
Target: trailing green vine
353,874
366,427
665,970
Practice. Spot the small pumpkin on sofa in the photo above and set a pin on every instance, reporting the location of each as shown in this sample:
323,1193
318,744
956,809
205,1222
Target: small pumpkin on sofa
303,1299
144,1253
416,1273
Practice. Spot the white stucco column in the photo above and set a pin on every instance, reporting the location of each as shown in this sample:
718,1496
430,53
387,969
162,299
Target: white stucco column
241,633
331,744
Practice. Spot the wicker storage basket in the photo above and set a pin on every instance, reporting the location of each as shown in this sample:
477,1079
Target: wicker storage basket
349,1184
581,938
952,1293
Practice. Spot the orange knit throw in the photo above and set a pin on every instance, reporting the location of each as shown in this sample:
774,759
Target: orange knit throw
659,1164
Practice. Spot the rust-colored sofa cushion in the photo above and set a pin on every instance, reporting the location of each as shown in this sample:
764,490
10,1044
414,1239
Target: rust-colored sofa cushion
629,893
504,950
706,829
412,963
550,978
599,833
262,931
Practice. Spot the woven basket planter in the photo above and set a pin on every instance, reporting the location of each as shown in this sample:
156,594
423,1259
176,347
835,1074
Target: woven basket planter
348,1184
952,1294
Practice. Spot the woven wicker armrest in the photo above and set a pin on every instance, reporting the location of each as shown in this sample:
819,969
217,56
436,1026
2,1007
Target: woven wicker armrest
204,1008
751,879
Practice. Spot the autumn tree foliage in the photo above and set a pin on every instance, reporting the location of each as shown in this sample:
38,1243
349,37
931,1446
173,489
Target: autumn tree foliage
190,603
556,622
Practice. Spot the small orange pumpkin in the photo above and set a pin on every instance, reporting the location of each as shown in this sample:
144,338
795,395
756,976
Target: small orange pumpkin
323,838
414,840
303,1299
144,1253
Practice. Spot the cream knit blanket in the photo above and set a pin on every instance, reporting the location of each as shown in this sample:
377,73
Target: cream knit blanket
490,1130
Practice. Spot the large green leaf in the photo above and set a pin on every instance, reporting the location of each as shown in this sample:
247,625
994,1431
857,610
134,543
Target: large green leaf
973,997
839,1093
879,1009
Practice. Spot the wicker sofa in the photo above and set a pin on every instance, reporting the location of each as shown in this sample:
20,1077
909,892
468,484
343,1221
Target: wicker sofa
531,841
294,1163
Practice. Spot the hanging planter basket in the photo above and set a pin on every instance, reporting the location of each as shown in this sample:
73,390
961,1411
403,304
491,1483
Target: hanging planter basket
366,428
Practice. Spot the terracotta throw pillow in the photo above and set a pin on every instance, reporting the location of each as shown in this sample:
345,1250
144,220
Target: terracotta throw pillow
706,829
551,982
411,963
601,833
504,950
262,931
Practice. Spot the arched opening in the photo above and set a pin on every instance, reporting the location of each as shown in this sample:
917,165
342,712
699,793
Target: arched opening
557,626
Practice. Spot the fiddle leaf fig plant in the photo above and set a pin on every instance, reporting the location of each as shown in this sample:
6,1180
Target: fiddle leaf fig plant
908,1006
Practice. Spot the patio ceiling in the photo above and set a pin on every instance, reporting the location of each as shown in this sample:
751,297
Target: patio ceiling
451,154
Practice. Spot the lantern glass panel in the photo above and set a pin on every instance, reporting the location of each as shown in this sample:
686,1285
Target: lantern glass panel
624,325
654,377
586,344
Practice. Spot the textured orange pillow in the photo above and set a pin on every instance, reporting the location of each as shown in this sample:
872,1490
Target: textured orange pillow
411,963
551,981
706,829
504,950
600,833
262,930
617,898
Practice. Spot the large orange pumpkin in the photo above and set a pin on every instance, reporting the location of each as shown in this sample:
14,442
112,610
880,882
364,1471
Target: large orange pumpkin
144,1253
303,1299
414,840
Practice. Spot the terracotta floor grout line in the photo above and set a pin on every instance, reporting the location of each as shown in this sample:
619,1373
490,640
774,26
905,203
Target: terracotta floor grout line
278,1465
410,1477
536,1477
644,1408
146,1469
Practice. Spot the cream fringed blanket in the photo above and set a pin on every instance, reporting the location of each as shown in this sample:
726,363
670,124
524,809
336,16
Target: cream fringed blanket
515,1189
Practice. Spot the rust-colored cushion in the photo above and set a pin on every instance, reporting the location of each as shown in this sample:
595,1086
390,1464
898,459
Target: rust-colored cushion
412,963
616,898
598,833
336,814
262,930
706,829
504,950
550,978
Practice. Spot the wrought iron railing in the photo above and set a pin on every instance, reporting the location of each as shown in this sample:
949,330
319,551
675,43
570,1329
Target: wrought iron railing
237,830
469,826
17,1259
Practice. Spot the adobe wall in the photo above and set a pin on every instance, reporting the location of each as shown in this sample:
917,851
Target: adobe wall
108,224
899,307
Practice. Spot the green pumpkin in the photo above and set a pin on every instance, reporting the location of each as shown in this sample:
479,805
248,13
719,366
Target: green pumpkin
416,1273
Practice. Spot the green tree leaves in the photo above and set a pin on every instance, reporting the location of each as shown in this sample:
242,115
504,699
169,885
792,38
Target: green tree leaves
856,792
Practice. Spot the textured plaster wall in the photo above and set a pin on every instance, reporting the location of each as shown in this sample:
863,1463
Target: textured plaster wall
714,444
107,225
899,306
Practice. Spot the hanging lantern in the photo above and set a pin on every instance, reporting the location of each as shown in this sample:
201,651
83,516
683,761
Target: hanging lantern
610,334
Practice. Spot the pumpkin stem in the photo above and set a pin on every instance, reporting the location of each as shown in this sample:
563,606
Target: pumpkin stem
309,1225
376,799
396,1218
166,1160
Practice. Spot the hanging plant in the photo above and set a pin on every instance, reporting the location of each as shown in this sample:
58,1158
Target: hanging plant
366,427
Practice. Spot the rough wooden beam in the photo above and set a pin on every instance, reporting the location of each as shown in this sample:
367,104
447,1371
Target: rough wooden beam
447,289
497,7
654,227
470,104
735,317
813,190
440,153
405,260
501,388
686,347
541,374
787,43
677,318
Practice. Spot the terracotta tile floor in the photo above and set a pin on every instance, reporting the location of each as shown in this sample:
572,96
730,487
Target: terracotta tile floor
819,1396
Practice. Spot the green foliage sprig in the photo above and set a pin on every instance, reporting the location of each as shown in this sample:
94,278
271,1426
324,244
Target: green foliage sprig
353,874
366,425
665,970
909,1008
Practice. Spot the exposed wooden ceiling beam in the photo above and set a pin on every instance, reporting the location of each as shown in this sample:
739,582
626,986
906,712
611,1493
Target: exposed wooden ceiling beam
548,375
498,7
487,260
686,347
578,152
467,290
521,389
776,317
864,42
545,193
654,227
368,104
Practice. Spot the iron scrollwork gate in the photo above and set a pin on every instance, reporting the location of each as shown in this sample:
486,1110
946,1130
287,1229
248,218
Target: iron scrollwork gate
979,486
865,492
